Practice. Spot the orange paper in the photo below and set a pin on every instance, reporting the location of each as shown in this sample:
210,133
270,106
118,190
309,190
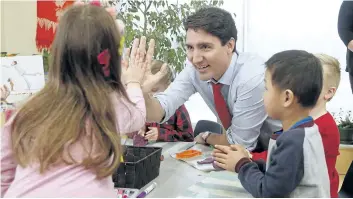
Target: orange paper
188,154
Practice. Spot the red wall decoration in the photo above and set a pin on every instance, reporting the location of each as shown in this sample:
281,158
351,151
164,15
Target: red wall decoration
48,12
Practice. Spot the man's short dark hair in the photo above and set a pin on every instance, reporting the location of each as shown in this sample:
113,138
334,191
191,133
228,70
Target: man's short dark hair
215,21
298,71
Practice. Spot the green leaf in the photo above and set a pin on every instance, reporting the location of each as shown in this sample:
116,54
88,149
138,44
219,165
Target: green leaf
137,17
164,24
132,9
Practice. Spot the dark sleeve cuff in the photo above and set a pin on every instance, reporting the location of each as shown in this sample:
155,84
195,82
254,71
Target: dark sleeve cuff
240,163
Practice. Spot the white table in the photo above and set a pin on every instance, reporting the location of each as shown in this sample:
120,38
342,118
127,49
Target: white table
178,179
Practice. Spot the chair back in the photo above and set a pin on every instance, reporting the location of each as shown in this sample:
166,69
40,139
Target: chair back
207,125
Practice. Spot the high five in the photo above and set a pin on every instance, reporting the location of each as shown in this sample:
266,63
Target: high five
231,83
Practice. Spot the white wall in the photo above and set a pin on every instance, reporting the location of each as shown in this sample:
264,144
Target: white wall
271,26
18,26
276,25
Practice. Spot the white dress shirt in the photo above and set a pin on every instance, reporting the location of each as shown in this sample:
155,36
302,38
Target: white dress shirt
243,91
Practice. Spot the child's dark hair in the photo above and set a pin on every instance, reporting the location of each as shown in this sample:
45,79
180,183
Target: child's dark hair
298,71
213,20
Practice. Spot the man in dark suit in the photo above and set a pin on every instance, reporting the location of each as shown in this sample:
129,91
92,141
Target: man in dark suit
345,31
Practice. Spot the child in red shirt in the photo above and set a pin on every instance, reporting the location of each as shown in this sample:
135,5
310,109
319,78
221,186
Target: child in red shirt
324,120
327,126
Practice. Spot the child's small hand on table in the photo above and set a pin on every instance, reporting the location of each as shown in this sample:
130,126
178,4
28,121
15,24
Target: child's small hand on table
152,134
142,132
227,157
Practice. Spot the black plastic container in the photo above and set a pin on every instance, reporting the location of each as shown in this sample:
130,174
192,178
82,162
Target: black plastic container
141,165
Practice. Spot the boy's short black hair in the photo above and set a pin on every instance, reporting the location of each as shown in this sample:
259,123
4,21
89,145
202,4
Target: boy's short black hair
298,71
213,20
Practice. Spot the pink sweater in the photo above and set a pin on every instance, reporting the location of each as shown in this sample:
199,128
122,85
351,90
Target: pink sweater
67,180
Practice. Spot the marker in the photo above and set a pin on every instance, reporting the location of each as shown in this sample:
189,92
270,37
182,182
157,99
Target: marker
120,193
127,193
131,192
124,194
147,190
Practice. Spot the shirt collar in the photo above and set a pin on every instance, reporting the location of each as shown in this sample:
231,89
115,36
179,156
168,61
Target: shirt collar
303,122
227,77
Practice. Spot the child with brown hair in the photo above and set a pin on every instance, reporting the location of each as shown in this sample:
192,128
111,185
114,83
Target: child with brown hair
65,140
324,120
178,127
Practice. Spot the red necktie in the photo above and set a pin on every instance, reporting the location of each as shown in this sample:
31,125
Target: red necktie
221,106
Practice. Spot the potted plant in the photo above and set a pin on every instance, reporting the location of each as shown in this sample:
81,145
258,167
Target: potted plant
46,54
345,126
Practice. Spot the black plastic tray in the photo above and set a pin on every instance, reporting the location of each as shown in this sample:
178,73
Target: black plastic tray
141,165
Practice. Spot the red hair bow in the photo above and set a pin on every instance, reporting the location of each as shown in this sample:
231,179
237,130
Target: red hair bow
95,3
104,59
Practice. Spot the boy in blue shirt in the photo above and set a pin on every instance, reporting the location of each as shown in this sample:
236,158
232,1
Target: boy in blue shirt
296,165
